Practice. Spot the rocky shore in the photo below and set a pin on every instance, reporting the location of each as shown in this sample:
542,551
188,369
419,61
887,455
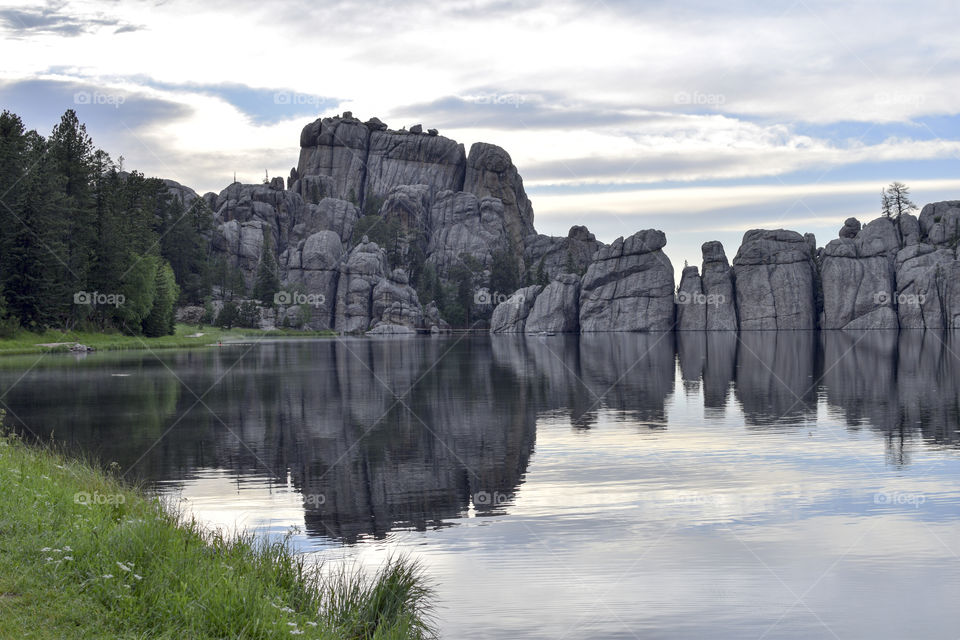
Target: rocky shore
452,212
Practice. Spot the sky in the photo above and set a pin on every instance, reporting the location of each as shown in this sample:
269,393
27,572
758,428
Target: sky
703,119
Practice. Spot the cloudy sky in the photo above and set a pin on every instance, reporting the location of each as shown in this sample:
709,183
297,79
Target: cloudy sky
703,119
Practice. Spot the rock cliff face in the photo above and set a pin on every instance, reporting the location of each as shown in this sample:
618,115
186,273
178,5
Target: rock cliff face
629,286
858,278
370,215
774,278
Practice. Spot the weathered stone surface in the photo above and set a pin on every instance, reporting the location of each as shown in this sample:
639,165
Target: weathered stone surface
921,271
432,319
691,303
185,195
465,225
330,214
387,329
858,279
940,223
313,189
490,173
395,302
774,277
337,148
556,308
552,256
402,159
510,316
312,272
359,274
717,283
629,286
850,228
909,229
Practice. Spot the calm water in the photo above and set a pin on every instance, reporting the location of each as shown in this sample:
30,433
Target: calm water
612,486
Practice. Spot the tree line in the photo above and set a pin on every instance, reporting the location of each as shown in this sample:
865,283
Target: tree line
87,245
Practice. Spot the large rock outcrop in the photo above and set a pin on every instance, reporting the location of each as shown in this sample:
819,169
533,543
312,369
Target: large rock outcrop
395,303
551,256
510,316
858,278
359,275
556,308
718,289
465,225
774,276
490,173
362,162
629,286
691,303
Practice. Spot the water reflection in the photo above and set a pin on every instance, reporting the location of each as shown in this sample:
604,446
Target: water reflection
378,435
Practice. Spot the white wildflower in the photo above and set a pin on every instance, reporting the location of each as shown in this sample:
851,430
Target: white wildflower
107,576
138,577
124,567
68,557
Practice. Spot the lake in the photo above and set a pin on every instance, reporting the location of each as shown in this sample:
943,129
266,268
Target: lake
761,485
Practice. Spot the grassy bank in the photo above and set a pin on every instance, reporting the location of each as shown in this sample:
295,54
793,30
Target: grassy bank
84,556
25,342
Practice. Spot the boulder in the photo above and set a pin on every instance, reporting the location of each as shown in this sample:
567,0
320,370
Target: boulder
629,286
940,223
909,229
850,228
691,303
774,278
359,274
395,302
858,278
556,307
510,316
387,329
717,284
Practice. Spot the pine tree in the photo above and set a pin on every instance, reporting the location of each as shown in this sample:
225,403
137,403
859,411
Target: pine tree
896,200
72,165
34,272
267,283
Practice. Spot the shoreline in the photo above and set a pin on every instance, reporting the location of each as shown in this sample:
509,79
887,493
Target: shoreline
84,554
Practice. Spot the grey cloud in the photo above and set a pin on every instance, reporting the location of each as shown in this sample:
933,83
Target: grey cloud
53,19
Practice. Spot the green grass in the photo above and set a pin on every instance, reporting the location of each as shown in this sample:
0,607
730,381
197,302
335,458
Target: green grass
25,342
122,565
